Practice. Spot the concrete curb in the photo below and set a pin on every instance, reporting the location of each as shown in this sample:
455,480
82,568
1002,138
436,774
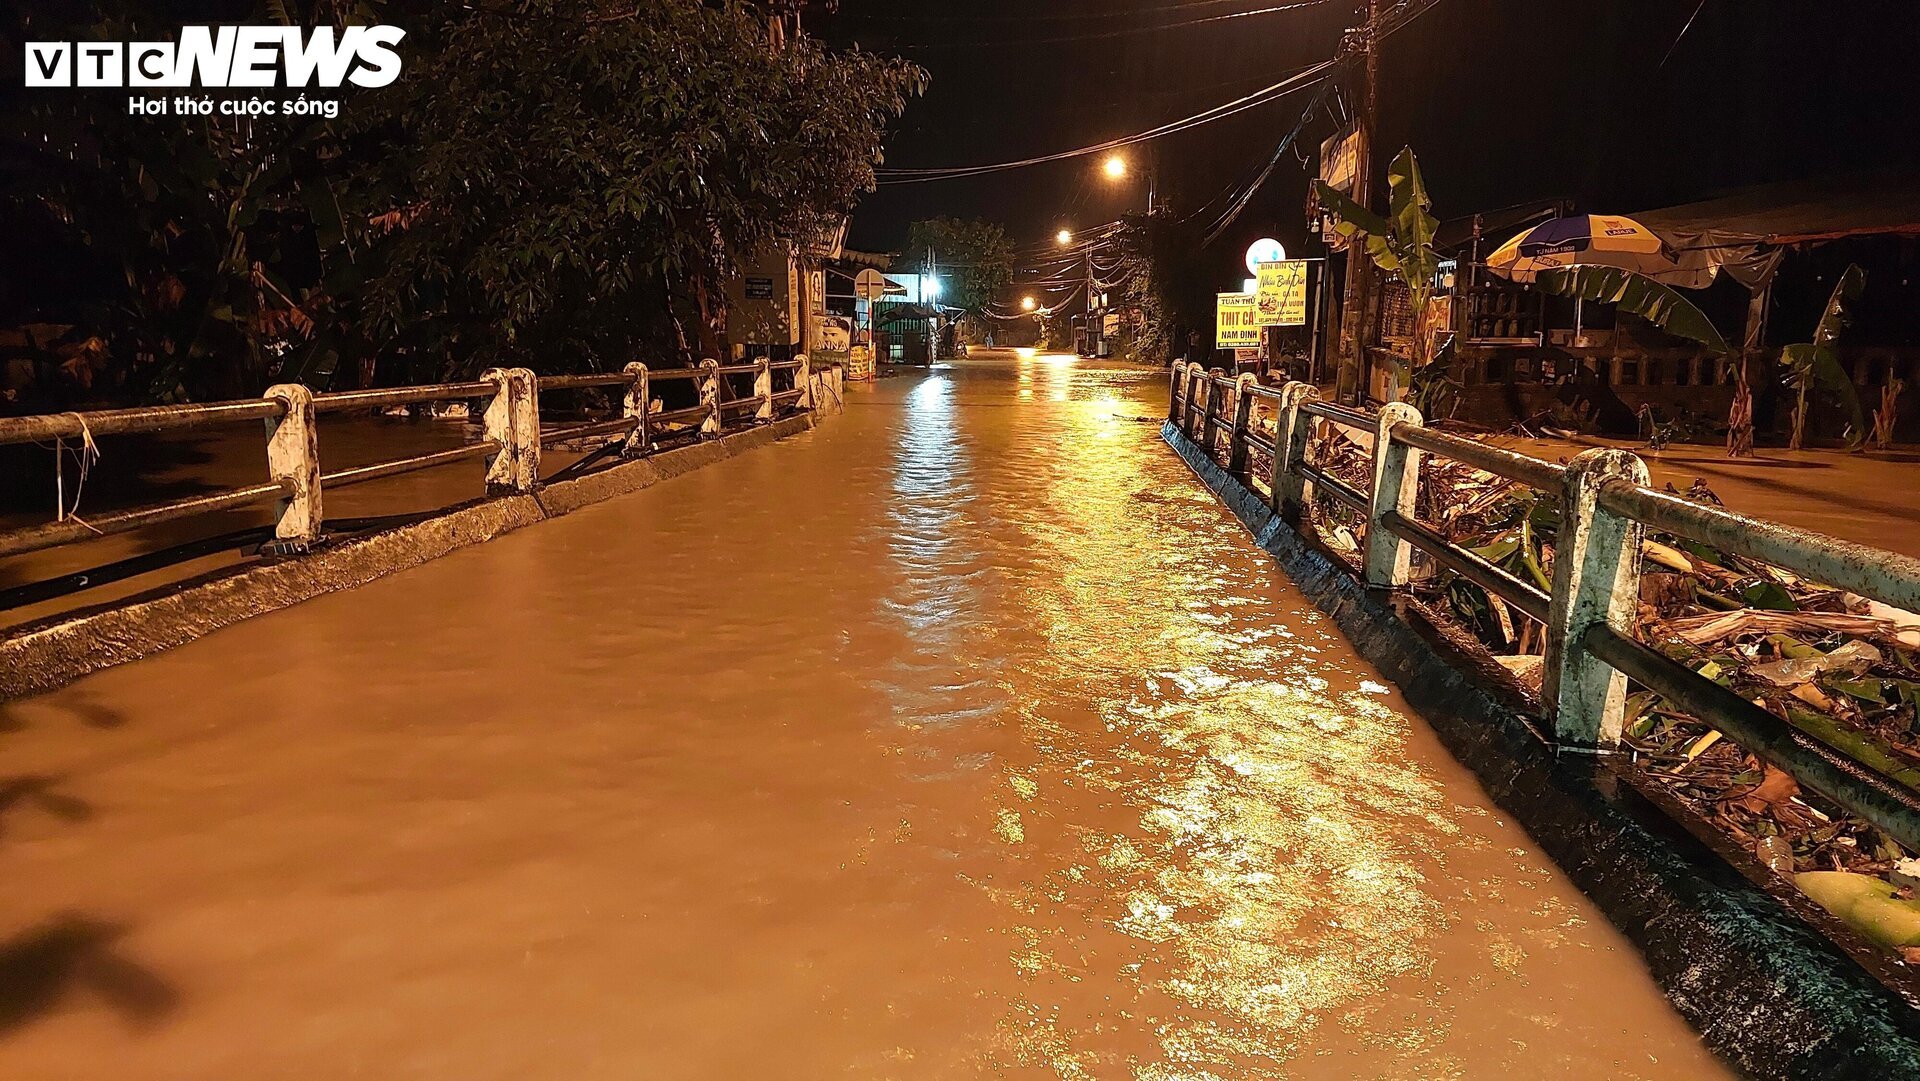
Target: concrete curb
1767,992
52,653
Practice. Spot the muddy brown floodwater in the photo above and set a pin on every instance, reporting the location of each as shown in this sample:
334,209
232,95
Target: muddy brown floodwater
965,736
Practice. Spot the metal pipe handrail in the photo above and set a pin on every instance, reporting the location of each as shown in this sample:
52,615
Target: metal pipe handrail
149,418
1337,488
738,369
745,403
69,530
1339,414
690,413
380,398
617,426
584,380
784,365
1866,792
787,395
1885,576
673,373
381,470
1525,469
1524,595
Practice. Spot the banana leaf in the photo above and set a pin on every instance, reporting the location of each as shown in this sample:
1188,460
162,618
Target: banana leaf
1413,220
1814,364
1656,303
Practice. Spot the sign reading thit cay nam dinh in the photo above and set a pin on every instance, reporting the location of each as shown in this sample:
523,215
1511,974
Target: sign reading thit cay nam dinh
1234,326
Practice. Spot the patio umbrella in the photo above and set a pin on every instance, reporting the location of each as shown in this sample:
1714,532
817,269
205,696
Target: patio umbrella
1592,240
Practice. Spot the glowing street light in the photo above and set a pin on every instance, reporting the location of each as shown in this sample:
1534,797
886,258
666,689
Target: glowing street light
1064,236
1116,167
1028,303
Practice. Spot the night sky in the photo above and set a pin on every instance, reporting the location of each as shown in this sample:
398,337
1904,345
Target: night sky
1504,100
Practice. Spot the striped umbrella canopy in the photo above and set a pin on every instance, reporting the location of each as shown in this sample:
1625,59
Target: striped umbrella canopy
1591,240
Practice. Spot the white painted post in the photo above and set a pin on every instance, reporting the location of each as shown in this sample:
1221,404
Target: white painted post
1596,579
837,380
1176,391
1291,489
513,421
1242,417
710,398
638,405
1396,483
763,389
803,382
293,454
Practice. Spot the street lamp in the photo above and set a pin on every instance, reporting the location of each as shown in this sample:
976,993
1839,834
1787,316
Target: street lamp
1116,167
1064,236
1028,303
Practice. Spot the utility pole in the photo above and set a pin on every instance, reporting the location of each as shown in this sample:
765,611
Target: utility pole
1360,271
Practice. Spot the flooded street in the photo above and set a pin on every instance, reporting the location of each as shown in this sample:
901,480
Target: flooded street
965,736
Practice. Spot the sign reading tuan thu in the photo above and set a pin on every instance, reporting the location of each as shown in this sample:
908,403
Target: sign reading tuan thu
1234,325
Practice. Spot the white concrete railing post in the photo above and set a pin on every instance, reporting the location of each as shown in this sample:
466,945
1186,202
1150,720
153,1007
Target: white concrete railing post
293,454
638,406
1596,579
1291,436
763,389
710,398
803,382
1177,393
1242,417
1396,484
513,421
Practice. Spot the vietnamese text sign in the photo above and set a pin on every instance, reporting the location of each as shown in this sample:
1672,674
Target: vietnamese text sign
1282,299
1234,327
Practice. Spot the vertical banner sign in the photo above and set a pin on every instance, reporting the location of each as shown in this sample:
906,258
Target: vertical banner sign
1282,299
1234,327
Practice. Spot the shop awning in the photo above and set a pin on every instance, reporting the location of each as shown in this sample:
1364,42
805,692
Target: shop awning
1745,233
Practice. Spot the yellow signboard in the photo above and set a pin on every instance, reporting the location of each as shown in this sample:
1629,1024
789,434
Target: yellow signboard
1282,299
1234,327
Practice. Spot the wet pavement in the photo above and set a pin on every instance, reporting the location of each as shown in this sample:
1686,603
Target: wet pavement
965,736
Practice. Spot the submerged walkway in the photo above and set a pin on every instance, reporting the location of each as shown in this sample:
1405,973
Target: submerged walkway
965,736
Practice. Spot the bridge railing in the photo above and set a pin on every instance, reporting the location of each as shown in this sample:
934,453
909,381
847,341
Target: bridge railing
509,449
1606,507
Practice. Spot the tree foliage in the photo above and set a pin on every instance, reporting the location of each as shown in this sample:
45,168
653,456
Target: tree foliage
974,258
556,183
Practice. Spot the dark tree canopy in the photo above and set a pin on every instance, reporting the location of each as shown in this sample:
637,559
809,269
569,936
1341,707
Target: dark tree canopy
554,183
974,258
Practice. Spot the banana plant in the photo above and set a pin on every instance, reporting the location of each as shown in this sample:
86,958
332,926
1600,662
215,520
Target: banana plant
1400,244
1809,366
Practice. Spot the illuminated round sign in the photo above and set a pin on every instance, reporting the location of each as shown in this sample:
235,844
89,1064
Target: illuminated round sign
1265,250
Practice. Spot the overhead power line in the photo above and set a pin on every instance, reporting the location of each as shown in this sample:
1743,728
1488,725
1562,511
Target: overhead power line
1040,16
1098,35
1307,77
